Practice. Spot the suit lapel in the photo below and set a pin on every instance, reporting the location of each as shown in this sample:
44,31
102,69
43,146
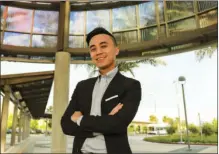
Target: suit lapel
89,93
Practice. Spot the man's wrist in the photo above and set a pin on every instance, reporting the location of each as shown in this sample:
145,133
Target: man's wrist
78,121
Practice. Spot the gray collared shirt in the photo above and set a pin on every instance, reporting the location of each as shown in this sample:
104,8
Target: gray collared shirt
97,144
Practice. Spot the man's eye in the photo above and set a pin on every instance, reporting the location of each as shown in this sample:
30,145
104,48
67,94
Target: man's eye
104,46
93,49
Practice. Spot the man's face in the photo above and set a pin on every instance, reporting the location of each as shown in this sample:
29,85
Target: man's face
103,51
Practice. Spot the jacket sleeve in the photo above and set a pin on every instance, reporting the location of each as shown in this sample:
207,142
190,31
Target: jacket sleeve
68,126
118,123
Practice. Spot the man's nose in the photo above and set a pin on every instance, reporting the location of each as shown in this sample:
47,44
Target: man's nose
99,51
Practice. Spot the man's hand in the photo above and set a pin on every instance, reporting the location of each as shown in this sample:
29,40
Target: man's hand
76,115
116,109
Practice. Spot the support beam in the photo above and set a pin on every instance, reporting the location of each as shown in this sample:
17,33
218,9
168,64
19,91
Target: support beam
61,99
23,126
20,126
14,124
4,117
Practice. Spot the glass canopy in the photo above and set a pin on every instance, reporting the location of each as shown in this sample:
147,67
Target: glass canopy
146,21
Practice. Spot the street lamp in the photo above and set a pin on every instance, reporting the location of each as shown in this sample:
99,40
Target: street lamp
179,126
182,81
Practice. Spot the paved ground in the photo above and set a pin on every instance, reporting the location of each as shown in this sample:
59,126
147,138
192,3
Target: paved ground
137,145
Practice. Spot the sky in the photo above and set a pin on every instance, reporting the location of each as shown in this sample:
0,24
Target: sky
160,94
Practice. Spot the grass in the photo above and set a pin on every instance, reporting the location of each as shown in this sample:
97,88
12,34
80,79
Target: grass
194,139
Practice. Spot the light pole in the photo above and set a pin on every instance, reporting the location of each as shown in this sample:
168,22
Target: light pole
180,129
182,81
200,124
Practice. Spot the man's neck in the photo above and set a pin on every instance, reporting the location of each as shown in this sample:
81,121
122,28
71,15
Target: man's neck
105,71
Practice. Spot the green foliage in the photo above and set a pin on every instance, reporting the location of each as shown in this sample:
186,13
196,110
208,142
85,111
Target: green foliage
10,121
34,124
171,130
176,138
215,125
193,129
207,129
131,128
153,119
145,129
209,51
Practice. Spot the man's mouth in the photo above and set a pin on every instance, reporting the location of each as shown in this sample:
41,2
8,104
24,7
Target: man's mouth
99,59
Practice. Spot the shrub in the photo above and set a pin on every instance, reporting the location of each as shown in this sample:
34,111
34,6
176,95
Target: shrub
193,129
171,130
207,129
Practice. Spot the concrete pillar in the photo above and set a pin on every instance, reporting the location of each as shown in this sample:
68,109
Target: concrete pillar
14,125
61,99
20,126
4,117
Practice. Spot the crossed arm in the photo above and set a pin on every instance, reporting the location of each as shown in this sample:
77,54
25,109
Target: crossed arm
116,122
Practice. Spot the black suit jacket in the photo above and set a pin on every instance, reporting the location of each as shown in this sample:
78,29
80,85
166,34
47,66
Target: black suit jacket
113,127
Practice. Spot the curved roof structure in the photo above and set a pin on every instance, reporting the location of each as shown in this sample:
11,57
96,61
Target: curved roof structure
35,31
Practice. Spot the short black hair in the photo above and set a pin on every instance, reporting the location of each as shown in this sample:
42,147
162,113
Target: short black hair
99,30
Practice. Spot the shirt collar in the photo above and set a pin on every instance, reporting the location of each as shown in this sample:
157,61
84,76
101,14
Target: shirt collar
109,74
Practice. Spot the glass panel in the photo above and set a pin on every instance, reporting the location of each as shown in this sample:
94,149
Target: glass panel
161,11
147,14
183,25
44,41
76,41
1,38
98,18
19,19
149,34
17,39
204,5
76,25
208,18
41,58
46,22
179,9
126,37
162,31
124,18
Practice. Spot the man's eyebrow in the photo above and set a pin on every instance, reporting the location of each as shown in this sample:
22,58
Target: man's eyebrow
101,43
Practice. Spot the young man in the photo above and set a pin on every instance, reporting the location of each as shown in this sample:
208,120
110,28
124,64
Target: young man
101,108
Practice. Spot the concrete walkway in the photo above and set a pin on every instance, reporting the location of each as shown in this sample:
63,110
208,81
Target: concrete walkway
137,144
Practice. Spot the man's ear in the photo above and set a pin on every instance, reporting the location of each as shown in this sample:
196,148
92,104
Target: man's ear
117,51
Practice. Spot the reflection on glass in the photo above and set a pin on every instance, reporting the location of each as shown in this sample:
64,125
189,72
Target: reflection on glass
179,9
147,14
76,25
204,5
76,41
149,34
209,18
17,39
161,11
46,21
99,18
3,14
182,25
41,58
44,41
126,37
19,19
124,18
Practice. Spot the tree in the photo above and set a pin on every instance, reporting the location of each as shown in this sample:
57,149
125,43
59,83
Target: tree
145,129
153,119
10,121
34,124
207,129
202,53
49,121
193,128
215,126
167,120
171,130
